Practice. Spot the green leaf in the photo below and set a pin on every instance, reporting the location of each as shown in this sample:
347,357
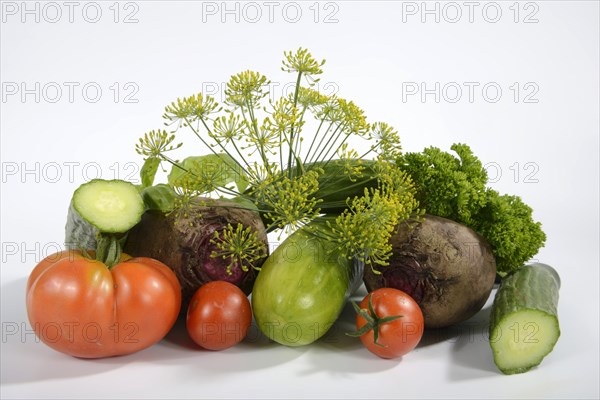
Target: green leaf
219,169
159,197
148,171
244,203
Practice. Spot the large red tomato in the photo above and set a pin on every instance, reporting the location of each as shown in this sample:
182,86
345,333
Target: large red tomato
80,307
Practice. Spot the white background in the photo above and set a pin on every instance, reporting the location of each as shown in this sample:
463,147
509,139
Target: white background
375,52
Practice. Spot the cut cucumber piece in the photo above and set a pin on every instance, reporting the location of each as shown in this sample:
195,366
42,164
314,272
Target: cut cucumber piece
109,206
524,322
79,234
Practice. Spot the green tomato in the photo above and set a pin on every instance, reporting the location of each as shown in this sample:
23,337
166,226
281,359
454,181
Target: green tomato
301,289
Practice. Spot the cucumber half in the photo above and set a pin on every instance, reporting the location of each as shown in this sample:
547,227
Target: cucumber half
524,323
113,206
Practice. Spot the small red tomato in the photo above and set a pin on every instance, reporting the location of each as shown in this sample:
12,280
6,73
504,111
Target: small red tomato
218,316
390,323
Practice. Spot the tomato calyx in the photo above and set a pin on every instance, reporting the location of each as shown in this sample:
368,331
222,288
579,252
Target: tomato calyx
108,249
373,321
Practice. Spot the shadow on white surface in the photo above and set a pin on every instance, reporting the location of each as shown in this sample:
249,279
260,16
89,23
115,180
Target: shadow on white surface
255,352
471,354
343,356
26,359
432,337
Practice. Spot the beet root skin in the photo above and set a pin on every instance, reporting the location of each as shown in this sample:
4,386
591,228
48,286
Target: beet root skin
446,267
183,244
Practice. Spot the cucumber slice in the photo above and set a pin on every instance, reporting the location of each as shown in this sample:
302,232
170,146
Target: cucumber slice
524,323
109,206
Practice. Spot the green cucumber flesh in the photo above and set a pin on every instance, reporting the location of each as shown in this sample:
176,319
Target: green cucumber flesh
524,323
110,206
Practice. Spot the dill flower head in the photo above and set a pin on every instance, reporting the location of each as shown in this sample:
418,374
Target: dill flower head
190,109
155,143
239,246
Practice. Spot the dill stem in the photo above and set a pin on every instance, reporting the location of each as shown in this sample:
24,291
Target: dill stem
227,190
280,150
174,163
336,134
333,154
297,146
211,147
258,143
314,139
291,141
370,150
237,150
321,142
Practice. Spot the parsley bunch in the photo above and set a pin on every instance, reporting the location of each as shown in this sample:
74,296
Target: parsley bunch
455,187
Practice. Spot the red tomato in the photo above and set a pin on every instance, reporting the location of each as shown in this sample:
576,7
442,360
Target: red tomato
80,307
218,316
399,336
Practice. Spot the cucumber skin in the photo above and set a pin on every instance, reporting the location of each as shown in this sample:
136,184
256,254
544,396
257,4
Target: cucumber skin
308,273
79,234
335,187
83,235
531,287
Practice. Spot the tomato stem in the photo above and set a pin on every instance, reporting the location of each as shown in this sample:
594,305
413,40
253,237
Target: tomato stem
85,252
108,249
374,322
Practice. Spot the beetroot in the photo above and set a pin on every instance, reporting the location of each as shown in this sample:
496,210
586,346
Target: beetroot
185,242
446,267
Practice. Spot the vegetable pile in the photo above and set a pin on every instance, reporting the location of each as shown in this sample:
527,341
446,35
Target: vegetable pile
423,231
